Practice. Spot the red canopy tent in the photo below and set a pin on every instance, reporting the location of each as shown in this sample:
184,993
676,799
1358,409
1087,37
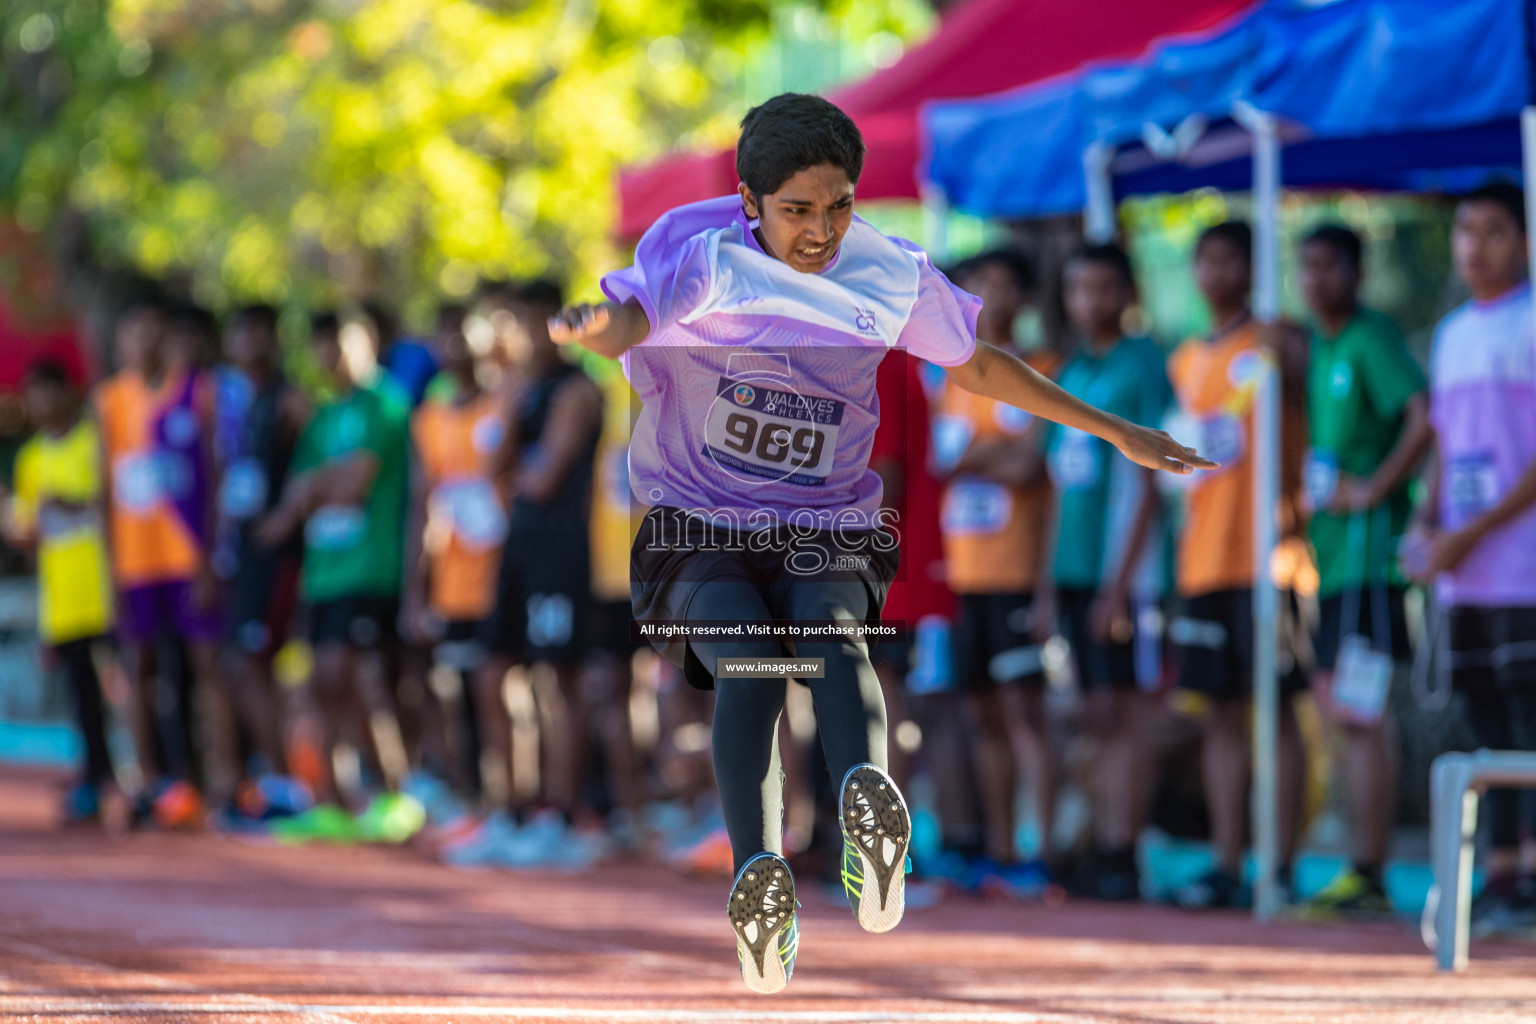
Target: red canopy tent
981,47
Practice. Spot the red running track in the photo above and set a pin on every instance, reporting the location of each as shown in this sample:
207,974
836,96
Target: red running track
211,930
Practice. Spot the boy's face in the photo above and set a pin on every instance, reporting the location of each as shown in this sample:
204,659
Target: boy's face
457,357
804,222
47,403
1001,298
1096,297
1222,273
249,345
1329,281
140,337
330,358
529,337
1488,247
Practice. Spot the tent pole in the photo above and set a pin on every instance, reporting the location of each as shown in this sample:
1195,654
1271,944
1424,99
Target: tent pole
1099,216
1266,481
935,222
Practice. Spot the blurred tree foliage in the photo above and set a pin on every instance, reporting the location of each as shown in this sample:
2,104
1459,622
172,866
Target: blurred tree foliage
314,151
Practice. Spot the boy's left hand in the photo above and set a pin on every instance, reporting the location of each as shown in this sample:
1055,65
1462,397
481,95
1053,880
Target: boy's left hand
1156,449
1449,549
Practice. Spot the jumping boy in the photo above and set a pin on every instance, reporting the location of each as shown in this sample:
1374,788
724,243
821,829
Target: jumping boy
752,327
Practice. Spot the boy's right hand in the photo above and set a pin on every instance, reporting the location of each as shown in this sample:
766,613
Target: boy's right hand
576,323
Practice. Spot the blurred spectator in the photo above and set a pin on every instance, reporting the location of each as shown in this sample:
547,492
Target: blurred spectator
57,511
156,421
995,507
1369,419
1110,557
1476,536
347,491
1215,381
543,586
263,585
409,362
458,514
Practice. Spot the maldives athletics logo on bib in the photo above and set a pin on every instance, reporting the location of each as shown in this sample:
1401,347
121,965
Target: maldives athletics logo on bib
744,394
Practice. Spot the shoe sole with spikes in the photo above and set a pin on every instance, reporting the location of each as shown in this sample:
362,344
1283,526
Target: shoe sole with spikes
876,833
762,913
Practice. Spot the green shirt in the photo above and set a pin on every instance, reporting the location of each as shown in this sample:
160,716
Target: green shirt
1097,491
349,550
1357,388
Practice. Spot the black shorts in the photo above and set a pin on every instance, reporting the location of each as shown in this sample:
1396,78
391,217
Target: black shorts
1100,665
365,622
608,628
1386,631
457,645
1490,648
1212,637
542,600
674,553
262,598
994,642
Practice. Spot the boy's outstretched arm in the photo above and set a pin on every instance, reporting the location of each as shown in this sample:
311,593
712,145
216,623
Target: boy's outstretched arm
993,373
608,328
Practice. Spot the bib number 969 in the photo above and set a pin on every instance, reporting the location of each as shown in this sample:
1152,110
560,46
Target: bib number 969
773,442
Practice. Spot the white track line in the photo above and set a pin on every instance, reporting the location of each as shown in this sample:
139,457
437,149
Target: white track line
258,1004
512,1012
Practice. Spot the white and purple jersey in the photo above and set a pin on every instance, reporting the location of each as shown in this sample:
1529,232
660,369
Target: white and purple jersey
757,380
1483,407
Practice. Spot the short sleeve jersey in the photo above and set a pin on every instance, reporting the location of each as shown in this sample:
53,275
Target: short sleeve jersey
1483,407
357,550
757,382
466,519
1099,492
74,586
1358,385
152,542
991,529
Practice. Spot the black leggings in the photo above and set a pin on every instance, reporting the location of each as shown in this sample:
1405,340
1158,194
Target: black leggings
850,711
90,712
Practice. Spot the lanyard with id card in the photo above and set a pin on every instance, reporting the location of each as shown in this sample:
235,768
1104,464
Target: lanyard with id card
1362,674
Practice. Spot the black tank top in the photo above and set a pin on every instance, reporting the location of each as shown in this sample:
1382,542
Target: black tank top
564,515
264,451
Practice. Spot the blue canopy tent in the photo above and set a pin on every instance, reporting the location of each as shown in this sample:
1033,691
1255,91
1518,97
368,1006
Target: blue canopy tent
1388,94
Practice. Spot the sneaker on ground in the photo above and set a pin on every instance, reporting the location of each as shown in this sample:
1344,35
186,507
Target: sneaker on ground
761,909
877,831
1211,891
179,807
1027,882
1349,895
711,855
1504,914
478,847
325,823
82,806
391,818
548,843
952,869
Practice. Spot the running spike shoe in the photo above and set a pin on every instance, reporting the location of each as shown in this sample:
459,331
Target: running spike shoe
876,833
762,912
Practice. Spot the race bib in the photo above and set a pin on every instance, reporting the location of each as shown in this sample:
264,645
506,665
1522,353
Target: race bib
1075,460
243,494
1472,485
1011,419
1362,678
951,436
472,508
772,433
487,433
1320,478
975,506
336,528
137,482
55,523
1222,438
